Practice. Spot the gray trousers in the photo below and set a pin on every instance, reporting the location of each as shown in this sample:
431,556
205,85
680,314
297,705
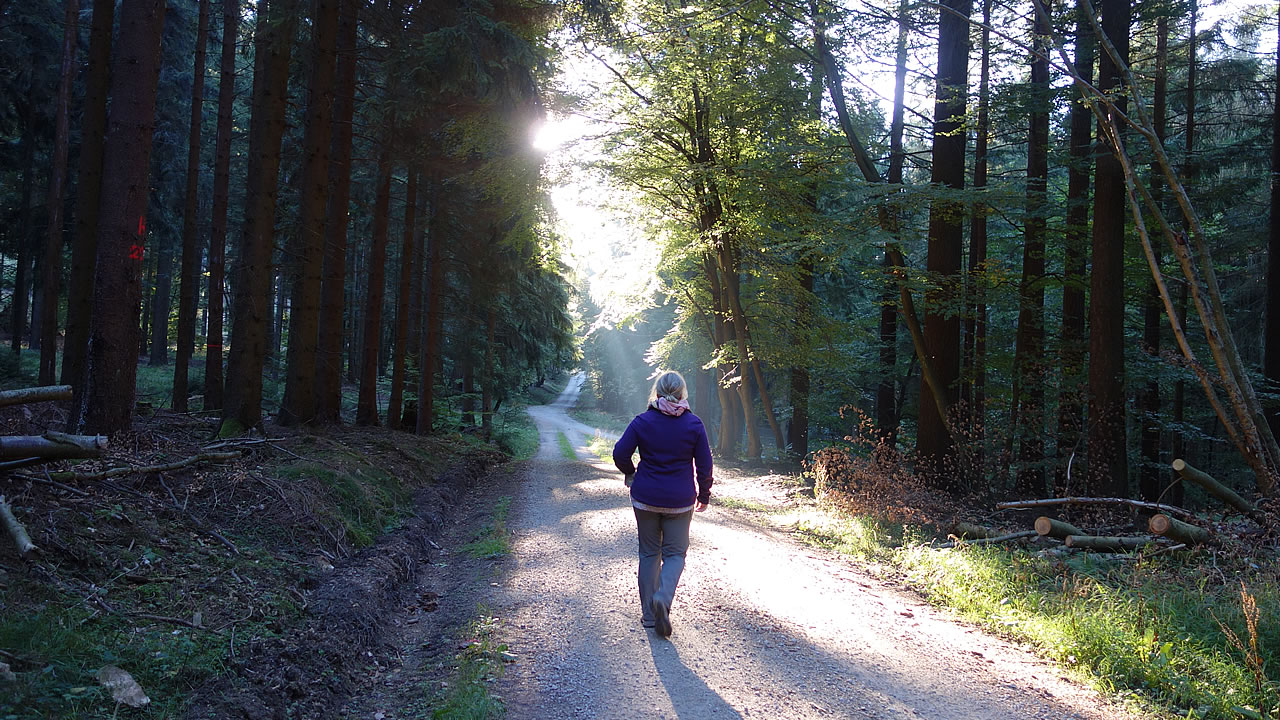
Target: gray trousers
664,540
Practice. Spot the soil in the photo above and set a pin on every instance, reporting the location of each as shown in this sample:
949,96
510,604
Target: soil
764,627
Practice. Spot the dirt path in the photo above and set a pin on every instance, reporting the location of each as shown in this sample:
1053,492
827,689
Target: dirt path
764,627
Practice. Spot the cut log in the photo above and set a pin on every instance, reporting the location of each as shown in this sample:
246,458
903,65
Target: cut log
1051,502
970,530
1100,543
1217,489
51,445
1177,530
1055,528
35,394
16,530
987,540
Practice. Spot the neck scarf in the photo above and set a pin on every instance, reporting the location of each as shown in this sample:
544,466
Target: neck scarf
674,408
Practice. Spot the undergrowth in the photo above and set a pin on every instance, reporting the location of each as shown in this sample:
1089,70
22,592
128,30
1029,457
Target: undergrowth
493,541
1196,632
566,448
467,695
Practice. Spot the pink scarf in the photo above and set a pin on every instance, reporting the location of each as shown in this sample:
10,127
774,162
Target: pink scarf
666,407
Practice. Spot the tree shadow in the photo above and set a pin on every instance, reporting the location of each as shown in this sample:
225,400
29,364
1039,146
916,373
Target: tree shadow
690,696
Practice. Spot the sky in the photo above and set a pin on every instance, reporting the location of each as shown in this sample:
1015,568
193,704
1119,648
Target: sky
609,247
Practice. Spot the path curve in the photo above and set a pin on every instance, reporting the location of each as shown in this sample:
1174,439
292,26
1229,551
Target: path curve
764,627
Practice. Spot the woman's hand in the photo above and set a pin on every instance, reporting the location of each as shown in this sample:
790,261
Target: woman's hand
699,507
626,479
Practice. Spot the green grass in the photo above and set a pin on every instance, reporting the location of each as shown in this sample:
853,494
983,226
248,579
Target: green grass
1147,624
493,541
566,448
467,694
601,447
600,420
549,391
365,500
515,433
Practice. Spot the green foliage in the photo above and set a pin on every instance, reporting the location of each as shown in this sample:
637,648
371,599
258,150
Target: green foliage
566,448
468,694
366,501
493,541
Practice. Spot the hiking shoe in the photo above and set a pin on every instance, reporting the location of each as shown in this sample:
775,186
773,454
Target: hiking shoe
661,623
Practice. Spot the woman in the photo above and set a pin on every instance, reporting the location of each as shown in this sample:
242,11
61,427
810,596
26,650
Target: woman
672,443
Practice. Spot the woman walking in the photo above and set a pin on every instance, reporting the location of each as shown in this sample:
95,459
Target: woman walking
673,444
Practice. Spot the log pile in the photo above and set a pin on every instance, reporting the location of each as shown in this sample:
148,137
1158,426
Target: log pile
1174,526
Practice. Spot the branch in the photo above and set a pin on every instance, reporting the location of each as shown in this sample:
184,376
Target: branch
16,530
52,445
147,469
1158,507
35,394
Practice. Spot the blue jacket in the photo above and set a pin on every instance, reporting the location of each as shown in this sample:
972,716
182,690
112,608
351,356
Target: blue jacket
670,449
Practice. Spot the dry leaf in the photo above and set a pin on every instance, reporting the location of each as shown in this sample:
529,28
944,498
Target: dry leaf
122,686
6,674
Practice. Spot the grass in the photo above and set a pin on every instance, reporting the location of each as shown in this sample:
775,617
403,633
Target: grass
367,501
1150,629
467,694
600,420
493,541
566,448
601,447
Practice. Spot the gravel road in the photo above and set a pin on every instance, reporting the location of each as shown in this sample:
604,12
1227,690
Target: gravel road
764,627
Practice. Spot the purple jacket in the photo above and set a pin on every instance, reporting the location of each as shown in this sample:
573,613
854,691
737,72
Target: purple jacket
670,449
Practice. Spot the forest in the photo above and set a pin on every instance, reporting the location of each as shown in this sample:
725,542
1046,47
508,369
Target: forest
936,253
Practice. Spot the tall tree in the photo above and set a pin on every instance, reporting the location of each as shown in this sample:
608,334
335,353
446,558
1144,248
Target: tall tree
974,390
367,403
333,291
1151,475
122,226
213,376
189,274
1271,349
408,264
307,252
93,130
1075,253
273,44
1108,460
52,264
946,235
1029,343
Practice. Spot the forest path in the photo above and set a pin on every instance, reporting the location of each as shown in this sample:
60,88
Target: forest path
764,627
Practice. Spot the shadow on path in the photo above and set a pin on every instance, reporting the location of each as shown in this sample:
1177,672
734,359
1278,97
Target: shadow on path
690,697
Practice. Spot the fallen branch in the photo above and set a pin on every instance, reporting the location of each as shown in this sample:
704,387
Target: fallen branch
145,469
52,445
987,540
16,530
35,394
1046,526
1049,502
1178,531
1218,490
1100,543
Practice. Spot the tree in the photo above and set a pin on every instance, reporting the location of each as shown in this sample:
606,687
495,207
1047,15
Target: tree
367,404
273,42
408,264
189,282
122,228
57,176
941,326
307,253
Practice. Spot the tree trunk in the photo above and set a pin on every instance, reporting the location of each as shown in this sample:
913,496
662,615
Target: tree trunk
886,390
26,231
307,261
161,302
273,43
213,376
333,293
1071,355
122,226
367,406
1151,474
975,320
1177,444
434,291
1029,344
1108,462
57,185
189,282
487,383
798,431
942,327
93,130
1271,342
408,262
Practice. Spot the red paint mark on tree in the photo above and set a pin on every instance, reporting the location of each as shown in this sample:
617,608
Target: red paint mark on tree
142,225
135,252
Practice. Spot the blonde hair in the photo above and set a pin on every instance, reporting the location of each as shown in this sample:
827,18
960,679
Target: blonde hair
670,385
